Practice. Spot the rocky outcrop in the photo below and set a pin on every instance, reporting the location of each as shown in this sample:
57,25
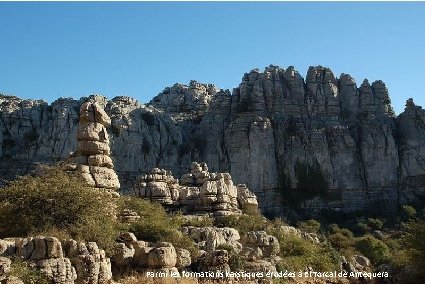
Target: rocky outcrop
93,152
66,262
198,192
258,245
214,261
150,257
277,132
211,238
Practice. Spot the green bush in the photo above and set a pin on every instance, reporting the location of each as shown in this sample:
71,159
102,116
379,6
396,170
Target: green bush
244,223
376,250
155,224
299,253
27,273
413,242
370,224
236,262
375,224
363,227
55,201
309,226
341,241
408,212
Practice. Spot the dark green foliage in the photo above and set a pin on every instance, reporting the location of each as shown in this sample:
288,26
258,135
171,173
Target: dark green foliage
376,250
311,183
414,245
370,224
408,212
342,239
375,224
309,226
55,201
236,262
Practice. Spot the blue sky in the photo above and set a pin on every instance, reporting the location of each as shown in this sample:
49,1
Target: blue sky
49,50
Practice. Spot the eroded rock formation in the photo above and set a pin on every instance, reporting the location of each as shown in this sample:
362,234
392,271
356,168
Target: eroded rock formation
150,257
198,192
323,143
66,262
93,152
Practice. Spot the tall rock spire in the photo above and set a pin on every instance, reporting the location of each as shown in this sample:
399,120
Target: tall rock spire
93,152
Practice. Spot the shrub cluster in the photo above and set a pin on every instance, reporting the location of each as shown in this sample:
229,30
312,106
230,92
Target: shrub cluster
155,224
60,203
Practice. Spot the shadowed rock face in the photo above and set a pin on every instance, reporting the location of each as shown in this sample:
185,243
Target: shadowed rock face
322,142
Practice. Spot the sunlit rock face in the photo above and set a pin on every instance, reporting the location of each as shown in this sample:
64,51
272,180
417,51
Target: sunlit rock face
92,156
198,192
323,143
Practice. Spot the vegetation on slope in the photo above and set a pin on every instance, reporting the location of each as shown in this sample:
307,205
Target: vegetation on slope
59,204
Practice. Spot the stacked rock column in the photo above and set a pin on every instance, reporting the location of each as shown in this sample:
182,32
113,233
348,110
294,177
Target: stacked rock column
93,152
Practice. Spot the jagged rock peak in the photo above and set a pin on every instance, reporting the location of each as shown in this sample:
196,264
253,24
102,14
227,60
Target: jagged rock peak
410,103
411,107
320,74
180,98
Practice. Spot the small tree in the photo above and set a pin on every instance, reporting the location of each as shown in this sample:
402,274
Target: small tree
415,245
408,212
55,201
375,249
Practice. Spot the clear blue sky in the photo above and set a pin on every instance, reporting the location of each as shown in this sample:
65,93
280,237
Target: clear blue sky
48,50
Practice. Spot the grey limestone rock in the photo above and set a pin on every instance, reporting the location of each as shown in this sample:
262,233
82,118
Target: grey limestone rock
63,263
258,132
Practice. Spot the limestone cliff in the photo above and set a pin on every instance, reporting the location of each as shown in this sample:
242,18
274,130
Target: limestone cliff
321,142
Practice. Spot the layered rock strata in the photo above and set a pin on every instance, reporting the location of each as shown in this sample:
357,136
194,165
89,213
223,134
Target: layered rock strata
66,262
93,151
198,191
270,133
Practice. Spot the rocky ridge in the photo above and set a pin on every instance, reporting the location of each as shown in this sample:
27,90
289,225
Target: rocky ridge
321,142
